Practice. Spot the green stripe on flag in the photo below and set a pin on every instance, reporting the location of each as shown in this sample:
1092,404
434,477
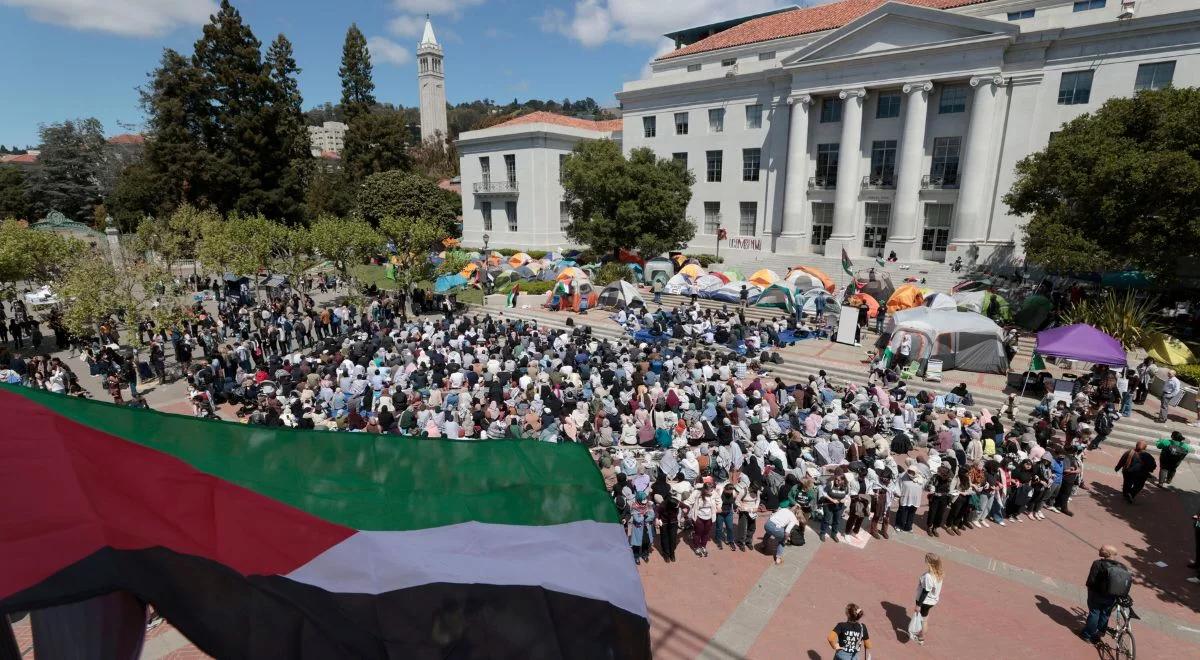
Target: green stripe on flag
363,480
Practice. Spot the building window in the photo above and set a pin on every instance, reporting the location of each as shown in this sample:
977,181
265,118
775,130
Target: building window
649,126
729,61
831,110
751,164
749,218
1020,15
952,99
1154,76
485,168
766,55
486,209
1085,5
876,230
883,163
822,224
681,123
1075,87
943,172
716,120
692,68
712,217
510,210
827,164
888,106
510,167
564,215
562,160
680,157
754,116
713,159
937,228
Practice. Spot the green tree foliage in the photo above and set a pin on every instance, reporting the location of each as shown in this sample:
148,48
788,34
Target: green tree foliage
93,291
437,159
177,151
14,198
292,253
1130,319
329,192
376,142
66,176
638,204
358,87
345,241
254,236
290,133
217,249
1116,188
33,256
137,195
175,237
400,194
412,238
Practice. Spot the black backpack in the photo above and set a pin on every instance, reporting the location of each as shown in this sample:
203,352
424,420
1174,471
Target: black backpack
1118,580
1175,451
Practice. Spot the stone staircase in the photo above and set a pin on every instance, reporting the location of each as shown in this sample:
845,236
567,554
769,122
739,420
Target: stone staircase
938,276
796,368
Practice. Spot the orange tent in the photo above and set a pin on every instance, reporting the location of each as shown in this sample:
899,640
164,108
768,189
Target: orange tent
519,259
860,299
571,272
820,275
495,259
469,270
763,278
571,296
905,297
692,270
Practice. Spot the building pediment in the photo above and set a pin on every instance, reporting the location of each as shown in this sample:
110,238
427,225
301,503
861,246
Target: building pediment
895,27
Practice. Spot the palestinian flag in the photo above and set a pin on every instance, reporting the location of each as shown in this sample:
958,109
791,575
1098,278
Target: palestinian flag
846,264
261,542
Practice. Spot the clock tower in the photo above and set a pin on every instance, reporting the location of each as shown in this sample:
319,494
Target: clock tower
431,78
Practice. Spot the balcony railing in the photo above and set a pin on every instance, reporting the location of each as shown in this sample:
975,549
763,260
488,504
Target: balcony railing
822,182
879,182
944,182
496,188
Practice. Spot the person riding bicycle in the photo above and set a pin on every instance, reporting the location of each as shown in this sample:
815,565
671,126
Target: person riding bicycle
1108,580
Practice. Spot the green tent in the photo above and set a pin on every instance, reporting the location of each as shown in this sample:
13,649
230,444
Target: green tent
1034,312
779,297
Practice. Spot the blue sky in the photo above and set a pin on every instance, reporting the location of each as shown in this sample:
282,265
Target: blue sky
81,58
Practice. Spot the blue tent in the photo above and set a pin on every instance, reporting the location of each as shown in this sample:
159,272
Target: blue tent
448,282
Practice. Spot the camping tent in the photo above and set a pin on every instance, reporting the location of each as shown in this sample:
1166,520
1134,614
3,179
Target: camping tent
1034,312
679,283
961,340
1081,342
777,296
692,270
526,273
764,277
448,283
659,265
732,292
570,272
734,275
519,259
941,301
824,279
808,301
879,286
710,282
569,294
906,297
620,294
982,301
860,299
1166,349
802,281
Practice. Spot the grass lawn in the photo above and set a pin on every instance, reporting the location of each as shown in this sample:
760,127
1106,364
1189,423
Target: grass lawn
368,275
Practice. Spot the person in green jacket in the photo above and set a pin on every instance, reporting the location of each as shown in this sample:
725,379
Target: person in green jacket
1174,449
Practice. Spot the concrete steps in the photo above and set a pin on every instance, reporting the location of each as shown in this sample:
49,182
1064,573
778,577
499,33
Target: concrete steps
937,276
796,369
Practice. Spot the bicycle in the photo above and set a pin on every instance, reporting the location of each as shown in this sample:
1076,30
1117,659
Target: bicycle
1122,632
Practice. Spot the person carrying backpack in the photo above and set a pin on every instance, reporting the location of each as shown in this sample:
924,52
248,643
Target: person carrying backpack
1108,580
1174,449
1135,466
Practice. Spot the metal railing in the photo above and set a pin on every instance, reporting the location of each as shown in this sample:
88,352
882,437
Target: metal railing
879,182
822,182
948,181
496,187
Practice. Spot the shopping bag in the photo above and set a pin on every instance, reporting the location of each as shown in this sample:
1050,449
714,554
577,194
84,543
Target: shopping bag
915,624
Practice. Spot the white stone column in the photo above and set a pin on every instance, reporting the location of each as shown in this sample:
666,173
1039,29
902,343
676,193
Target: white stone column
974,195
793,234
845,210
904,234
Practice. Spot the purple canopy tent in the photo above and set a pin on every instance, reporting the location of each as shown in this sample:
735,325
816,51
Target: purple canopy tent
1081,342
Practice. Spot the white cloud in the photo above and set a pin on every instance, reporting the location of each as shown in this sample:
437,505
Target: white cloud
407,26
435,6
594,22
131,18
387,51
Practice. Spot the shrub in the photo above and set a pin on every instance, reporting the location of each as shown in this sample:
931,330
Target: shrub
611,272
1132,321
532,287
706,259
1189,373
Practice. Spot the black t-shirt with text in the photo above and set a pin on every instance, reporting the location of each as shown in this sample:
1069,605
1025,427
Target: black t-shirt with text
851,635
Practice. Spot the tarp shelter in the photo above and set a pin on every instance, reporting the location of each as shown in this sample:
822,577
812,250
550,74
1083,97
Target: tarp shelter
274,282
692,270
43,296
777,296
1126,279
620,294
1034,312
678,284
961,340
764,277
860,299
941,301
802,281
976,284
825,280
659,268
732,293
879,285
907,296
984,302
1168,350
710,282
519,259
570,294
449,283
1081,342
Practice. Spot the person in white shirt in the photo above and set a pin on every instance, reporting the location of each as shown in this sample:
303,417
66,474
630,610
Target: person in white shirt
780,525
929,591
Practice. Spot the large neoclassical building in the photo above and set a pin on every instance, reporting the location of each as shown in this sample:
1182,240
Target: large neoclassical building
865,125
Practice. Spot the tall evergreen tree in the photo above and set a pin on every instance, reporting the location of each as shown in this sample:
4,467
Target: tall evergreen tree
290,131
177,152
66,176
358,88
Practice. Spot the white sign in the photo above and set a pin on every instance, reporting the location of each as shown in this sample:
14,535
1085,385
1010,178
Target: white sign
745,243
847,325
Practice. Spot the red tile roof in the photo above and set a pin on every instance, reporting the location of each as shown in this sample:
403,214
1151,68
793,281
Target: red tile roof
127,138
542,117
331,155
19,159
801,21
